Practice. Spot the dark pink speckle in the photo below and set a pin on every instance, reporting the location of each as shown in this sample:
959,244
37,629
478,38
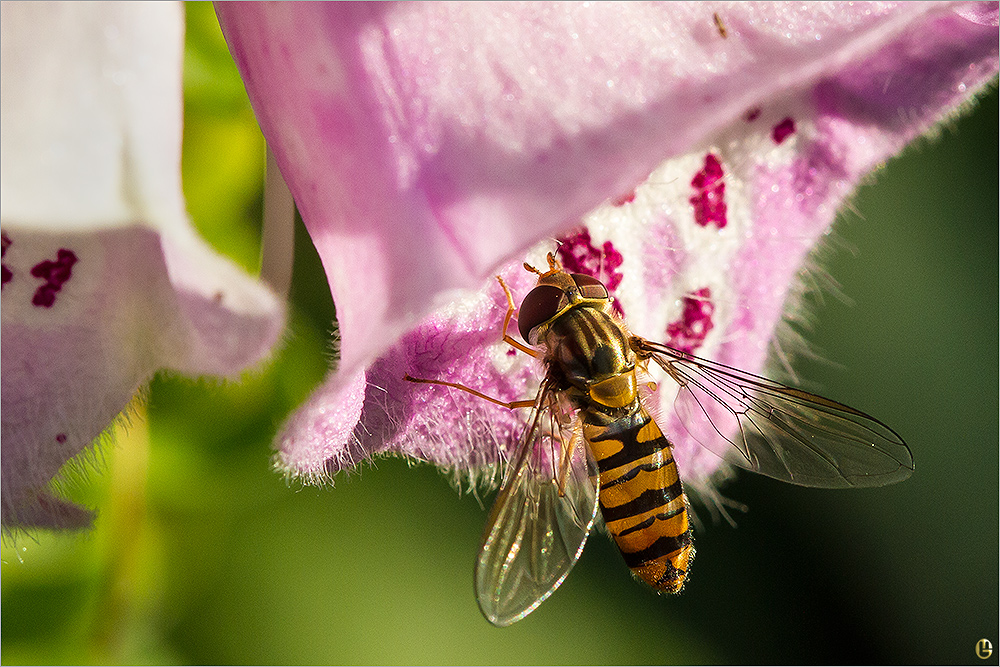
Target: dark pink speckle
709,200
752,114
55,274
688,333
782,130
61,438
578,255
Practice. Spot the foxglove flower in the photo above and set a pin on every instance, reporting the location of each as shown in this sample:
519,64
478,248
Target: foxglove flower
690,155
104,279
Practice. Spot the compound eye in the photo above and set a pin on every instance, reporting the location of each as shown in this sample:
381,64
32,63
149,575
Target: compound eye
589,286
541,305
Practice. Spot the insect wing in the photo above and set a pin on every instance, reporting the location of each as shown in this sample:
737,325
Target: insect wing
779,431
535,534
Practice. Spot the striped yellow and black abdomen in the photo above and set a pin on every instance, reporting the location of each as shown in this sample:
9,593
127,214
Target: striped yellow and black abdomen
641,496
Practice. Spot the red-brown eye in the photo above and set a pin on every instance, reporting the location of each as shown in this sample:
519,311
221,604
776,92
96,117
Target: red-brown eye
541,305
590,287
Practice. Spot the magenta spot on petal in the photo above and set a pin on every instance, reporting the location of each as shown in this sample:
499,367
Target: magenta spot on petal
511,352
709,201
61,438
44,297
752,114
688,333
624,199
578,255
55,274
782,130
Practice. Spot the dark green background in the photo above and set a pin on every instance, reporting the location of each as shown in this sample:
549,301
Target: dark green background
202,554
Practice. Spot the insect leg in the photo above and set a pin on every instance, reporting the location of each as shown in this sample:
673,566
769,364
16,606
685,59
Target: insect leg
509,405
506,323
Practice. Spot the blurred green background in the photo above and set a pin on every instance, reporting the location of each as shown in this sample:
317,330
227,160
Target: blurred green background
202,554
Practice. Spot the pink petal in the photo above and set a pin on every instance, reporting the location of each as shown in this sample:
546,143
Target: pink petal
429,144
104,280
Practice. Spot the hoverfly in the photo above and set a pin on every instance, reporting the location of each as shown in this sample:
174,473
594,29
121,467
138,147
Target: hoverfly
590,445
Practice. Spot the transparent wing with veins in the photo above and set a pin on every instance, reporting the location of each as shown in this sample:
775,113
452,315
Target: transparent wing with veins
779,431
542,514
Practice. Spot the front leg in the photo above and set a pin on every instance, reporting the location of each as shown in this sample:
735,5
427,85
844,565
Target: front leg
507,338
